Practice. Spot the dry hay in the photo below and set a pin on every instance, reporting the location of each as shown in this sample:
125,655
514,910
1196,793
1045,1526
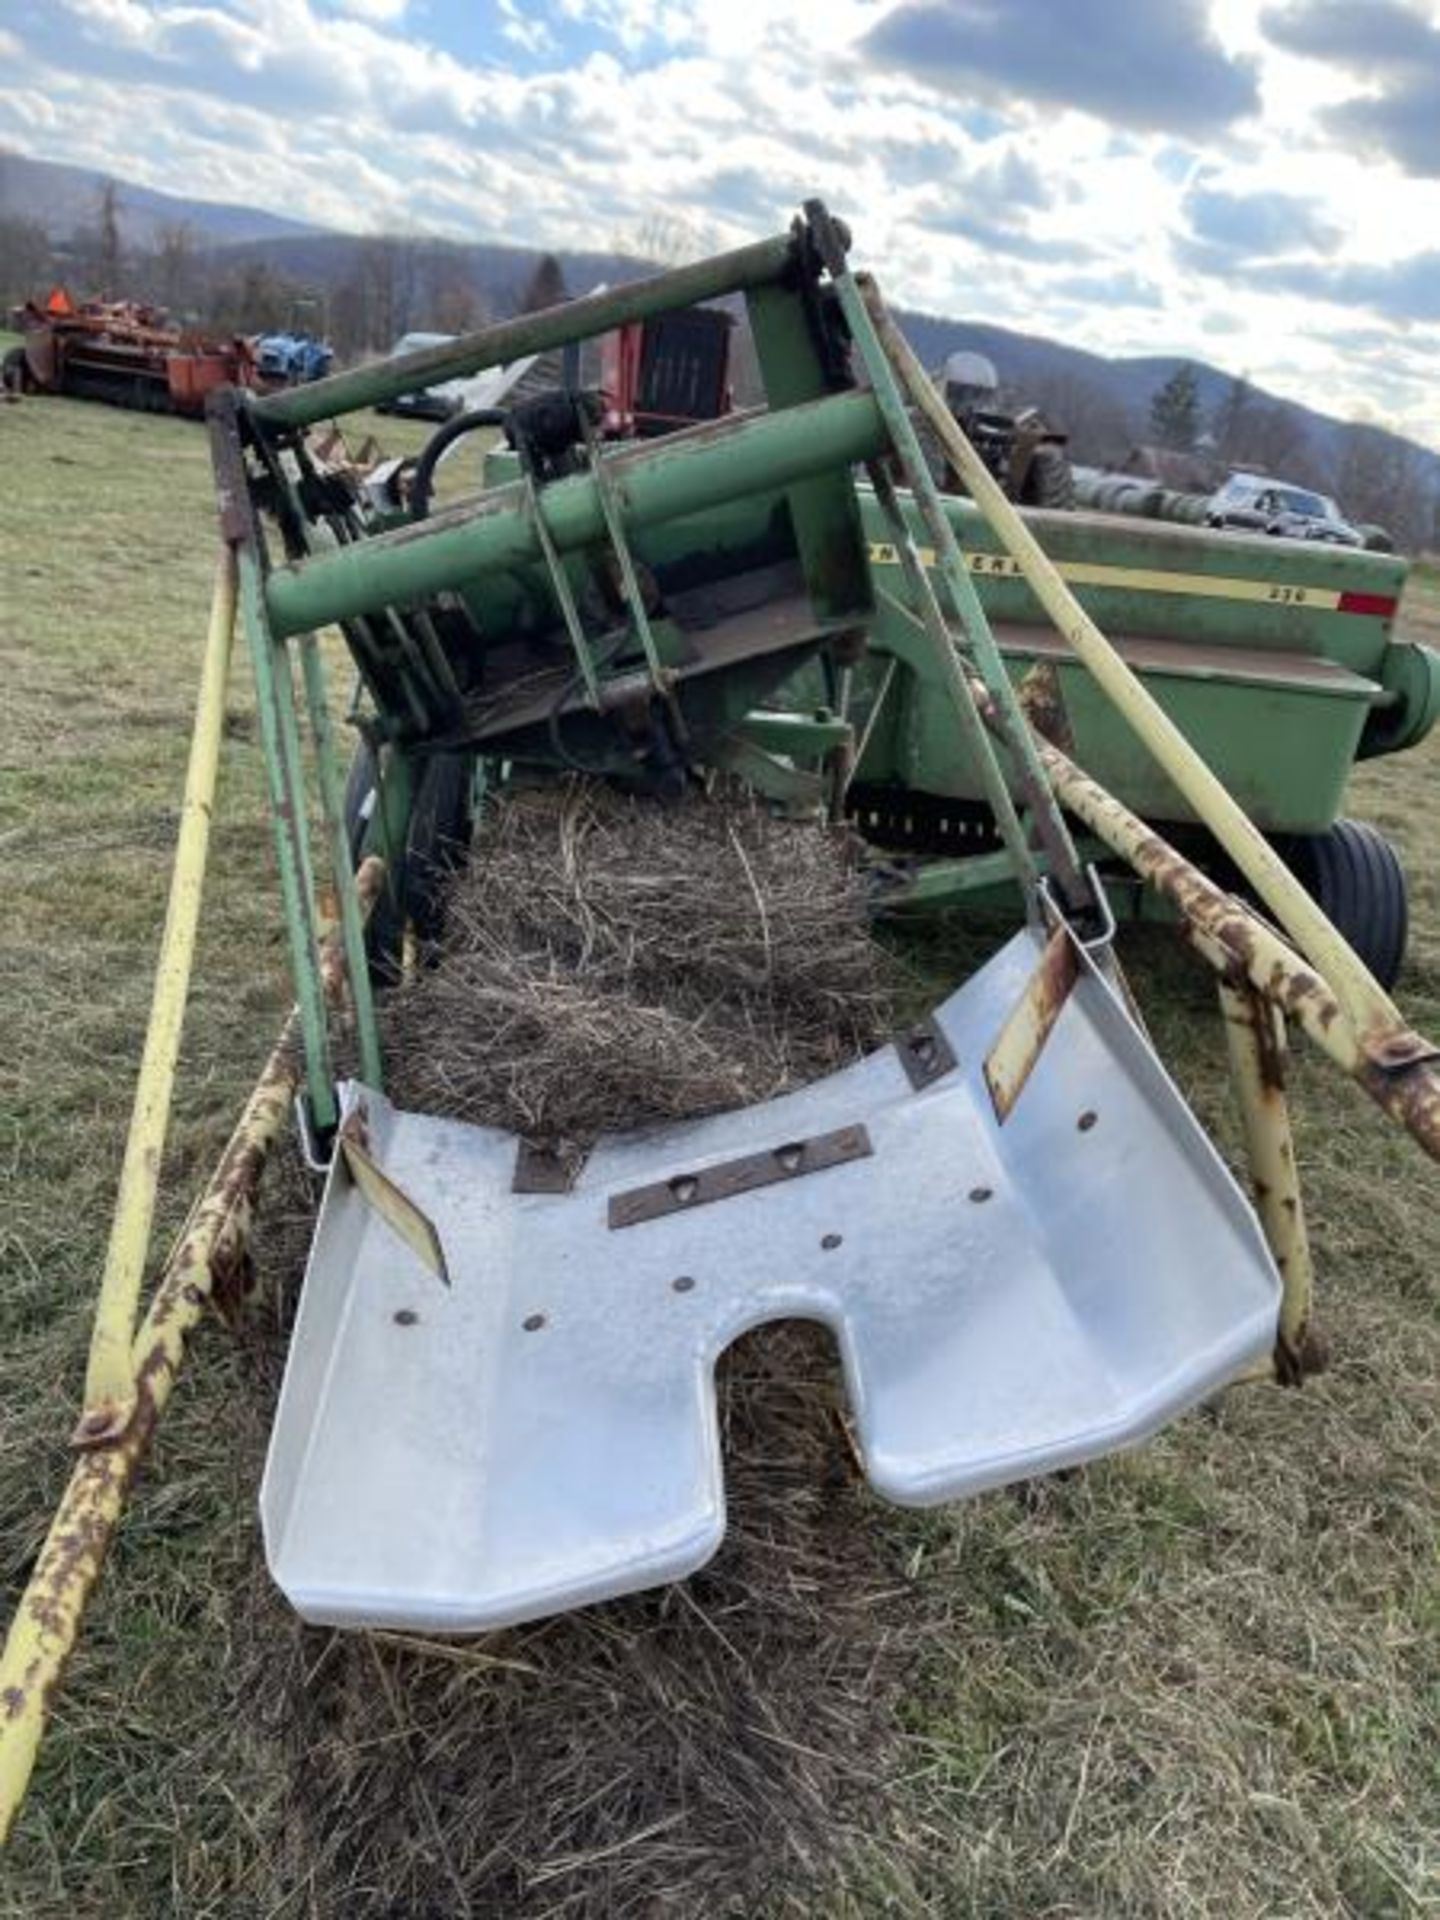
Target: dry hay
703,1748
609,963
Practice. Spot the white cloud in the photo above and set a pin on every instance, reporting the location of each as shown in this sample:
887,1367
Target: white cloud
588,120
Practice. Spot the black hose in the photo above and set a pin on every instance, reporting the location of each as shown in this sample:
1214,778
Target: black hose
446,436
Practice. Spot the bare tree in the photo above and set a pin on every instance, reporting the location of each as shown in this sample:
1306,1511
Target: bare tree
110,258
1100,429
1381,480
26,259
173,272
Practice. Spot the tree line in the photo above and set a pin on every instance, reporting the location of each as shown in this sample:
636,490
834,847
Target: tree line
1374,475
367,292
382,287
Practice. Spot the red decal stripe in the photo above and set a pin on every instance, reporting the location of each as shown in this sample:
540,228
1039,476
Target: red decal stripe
1383,604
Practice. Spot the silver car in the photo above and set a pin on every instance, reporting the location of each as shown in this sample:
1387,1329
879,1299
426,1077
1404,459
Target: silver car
1257,503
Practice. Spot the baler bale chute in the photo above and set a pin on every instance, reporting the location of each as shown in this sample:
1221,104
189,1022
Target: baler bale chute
499,1400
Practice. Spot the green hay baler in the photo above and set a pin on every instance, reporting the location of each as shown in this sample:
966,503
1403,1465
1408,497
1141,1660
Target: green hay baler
499,1399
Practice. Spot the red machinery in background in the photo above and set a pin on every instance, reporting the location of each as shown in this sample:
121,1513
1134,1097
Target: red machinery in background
666,372
120,351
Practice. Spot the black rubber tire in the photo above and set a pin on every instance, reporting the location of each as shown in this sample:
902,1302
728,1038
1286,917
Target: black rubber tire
15,372
1356,879
1050,481
436,844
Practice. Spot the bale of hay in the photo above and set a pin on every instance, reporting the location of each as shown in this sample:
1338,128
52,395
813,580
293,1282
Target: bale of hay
708,1748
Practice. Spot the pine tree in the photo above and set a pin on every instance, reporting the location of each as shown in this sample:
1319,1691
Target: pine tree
1175,410
547,286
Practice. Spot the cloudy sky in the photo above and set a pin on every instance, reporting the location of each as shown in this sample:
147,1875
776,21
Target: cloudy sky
1257,184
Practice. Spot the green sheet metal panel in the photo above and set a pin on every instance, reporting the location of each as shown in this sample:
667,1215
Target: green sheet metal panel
1135,576
1270,655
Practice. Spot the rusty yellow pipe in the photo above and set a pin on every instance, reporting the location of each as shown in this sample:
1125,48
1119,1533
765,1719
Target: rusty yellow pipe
210,1254
109,1380
1397,1067
1255,1040
45,1623
1360,993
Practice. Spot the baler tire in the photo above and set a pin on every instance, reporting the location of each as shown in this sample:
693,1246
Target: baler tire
438,843
385,928
1051,480
360,784
1356,879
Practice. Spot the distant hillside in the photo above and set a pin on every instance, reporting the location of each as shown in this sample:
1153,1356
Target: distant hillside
1041,368
63,199
498,275
371,289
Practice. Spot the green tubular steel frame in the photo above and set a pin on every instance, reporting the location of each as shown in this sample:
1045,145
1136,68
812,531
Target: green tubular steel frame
381,586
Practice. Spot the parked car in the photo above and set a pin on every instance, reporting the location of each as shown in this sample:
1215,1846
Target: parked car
1258,503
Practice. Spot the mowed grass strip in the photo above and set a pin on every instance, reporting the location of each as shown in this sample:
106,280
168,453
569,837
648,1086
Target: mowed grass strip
1203,1678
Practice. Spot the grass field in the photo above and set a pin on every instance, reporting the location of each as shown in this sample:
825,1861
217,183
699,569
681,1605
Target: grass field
1200,1679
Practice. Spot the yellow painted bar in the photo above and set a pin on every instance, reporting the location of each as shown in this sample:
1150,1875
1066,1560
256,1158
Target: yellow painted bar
109,1380
1356,988
48,1617
1398,1068
1255,1040
1088,573
210,1252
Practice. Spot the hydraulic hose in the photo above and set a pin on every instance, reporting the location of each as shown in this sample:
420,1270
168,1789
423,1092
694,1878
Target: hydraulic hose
438,444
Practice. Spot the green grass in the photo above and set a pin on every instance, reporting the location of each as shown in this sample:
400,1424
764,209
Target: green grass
1200,1679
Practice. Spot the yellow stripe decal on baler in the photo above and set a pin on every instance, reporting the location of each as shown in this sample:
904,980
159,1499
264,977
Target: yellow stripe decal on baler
1084,573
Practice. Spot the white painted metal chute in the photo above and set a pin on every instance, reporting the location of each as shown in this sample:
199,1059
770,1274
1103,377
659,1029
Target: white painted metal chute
541,1433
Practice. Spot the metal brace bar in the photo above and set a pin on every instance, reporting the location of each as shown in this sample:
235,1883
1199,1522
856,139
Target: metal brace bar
789,1161
1255,1039
931,621
560,580
287,804
1048,821
352,930
634,599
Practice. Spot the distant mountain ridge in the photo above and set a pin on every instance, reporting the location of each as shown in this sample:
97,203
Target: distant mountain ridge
62,197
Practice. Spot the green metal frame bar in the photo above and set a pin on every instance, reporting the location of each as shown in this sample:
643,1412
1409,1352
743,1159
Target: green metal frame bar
937,662
656,481
1049,822
352,929
560,581
630,585
746,267
271,665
